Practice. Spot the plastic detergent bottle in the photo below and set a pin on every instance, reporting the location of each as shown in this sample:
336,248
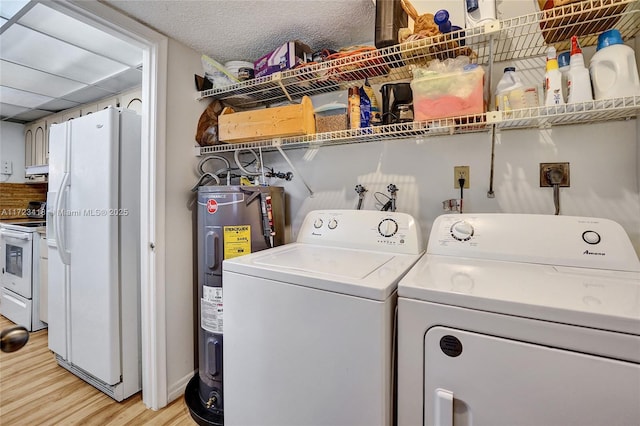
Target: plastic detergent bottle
479,12
613,68
563,63
579,82
507,84
553,80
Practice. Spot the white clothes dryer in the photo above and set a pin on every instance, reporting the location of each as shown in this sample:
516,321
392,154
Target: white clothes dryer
309,326
515,319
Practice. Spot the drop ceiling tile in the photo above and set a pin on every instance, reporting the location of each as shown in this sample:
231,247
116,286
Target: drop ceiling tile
22,98
33,49
8,8
58,105
125,80
23,78
7,110
88,94
2,21
31,115
63,27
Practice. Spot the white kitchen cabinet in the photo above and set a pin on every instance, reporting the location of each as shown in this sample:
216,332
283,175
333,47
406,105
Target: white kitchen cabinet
28,146
35,144
132,100
71,114
44,278
88,109
39,143
51,120
105,103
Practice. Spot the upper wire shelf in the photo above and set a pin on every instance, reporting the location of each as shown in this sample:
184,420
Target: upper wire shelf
522,37
526,36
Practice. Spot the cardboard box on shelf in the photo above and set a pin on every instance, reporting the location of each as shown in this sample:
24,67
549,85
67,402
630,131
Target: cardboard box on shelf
285,57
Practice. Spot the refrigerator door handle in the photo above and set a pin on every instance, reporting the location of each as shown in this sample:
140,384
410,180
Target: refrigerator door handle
65,255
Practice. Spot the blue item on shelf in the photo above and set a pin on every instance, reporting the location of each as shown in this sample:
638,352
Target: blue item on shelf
608,38
441,18
472,5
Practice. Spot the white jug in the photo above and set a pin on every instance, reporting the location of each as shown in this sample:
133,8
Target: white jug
613,69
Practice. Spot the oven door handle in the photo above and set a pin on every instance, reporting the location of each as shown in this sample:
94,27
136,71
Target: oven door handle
15,235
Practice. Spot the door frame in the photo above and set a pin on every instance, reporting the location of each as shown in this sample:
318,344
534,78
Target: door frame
153,139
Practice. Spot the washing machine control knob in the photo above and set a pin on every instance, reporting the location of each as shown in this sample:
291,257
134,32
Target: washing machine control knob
388,227
462,231
591,237
318,223
333,224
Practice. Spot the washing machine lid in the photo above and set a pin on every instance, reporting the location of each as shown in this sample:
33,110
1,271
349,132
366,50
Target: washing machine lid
362,273
599,299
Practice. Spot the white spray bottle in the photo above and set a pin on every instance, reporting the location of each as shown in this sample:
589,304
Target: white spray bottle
553,80
578,79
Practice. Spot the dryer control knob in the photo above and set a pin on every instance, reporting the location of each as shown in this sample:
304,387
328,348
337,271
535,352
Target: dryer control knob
388,227
318,223
333,224
591,237
462,231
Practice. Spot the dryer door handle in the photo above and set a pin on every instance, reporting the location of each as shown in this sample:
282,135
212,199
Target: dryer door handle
443,413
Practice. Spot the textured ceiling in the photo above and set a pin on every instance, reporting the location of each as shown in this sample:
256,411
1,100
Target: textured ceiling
229,30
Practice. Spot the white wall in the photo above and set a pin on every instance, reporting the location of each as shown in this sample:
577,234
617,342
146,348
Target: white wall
12,149
183,112
603,159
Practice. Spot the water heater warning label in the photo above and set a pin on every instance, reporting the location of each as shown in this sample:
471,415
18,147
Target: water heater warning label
211,309
237,241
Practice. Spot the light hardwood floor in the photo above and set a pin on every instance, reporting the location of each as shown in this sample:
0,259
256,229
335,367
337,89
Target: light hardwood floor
34,390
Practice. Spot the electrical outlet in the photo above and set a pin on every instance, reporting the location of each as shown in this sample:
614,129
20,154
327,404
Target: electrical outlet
461,172
550,167
6,167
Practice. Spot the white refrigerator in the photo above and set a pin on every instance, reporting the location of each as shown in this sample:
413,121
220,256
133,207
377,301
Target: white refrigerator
93,234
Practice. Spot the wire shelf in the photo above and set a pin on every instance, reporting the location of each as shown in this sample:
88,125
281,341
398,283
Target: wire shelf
530,35
541,117
576,113
416,129
522,37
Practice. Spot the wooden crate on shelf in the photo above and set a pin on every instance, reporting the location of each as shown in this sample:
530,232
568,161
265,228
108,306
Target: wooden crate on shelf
267,123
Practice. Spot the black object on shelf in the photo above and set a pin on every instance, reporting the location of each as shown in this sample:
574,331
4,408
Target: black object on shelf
390,17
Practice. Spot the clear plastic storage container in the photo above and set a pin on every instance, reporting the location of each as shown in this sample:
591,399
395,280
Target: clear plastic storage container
449,94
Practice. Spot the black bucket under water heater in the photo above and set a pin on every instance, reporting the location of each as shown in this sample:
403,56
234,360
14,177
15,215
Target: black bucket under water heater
232,221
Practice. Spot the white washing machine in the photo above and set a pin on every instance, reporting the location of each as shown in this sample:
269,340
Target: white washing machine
308,326
521,320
